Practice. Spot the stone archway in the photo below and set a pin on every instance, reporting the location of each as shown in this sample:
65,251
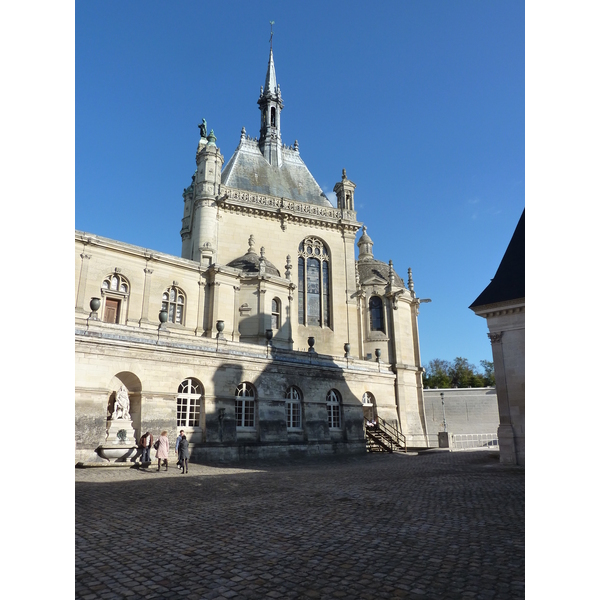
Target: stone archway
369,406
134,390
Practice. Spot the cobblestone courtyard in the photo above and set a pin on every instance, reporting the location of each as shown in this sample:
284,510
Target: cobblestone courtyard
437,525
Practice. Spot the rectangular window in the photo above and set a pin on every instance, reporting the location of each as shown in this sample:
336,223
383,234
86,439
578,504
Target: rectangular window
194,416
244,413
182,410
333,414
293,415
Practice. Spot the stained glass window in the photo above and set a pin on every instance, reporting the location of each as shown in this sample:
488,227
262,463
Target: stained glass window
313,283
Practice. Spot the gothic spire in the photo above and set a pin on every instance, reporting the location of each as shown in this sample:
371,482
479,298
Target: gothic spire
270,105
271,78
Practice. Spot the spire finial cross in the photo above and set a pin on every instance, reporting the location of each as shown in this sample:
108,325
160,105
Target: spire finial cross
271,40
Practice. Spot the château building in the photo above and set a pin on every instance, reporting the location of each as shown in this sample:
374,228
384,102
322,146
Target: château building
270,334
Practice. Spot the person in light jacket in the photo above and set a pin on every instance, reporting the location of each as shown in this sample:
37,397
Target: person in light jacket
184,454
163,450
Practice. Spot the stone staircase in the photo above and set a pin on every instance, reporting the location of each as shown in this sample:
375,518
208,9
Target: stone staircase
383,437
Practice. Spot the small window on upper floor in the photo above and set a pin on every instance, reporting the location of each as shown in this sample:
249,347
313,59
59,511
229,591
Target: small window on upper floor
173,301
115,293
376,314
275,313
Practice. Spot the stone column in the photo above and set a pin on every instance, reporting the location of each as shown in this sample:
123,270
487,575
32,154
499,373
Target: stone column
506,435
146,296
81,288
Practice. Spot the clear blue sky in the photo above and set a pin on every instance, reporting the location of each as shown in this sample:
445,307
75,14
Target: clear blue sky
422,102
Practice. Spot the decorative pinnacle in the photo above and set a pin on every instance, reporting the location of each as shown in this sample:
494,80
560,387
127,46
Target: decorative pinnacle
344,176
251,243
271,39
411,285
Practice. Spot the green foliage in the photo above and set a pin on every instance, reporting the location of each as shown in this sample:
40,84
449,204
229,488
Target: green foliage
459,373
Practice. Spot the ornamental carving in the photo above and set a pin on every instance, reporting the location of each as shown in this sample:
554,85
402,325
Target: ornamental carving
495,337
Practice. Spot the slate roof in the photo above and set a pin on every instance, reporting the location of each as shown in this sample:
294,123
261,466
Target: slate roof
249,170
249,263
369,268
509,281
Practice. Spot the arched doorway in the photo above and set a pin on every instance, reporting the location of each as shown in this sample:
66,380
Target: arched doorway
369,406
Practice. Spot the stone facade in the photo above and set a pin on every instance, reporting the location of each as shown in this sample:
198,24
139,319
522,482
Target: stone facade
502,304
268,334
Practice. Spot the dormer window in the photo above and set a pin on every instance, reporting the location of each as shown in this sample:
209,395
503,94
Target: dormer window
376,314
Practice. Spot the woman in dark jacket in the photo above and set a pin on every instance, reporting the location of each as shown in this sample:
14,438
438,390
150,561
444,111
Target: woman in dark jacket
184,454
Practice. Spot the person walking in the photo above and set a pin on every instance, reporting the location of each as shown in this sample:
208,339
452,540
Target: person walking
146,442
163,450
177,441
184,454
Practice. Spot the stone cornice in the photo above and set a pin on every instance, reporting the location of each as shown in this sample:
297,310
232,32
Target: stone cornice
498,309
287,211
124,339
91,240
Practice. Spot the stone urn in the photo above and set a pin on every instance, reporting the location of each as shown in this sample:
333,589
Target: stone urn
95,304
163,316
311,343
220,329
346,350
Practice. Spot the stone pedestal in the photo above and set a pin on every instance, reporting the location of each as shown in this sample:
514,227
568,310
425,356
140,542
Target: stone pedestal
120,431
120,444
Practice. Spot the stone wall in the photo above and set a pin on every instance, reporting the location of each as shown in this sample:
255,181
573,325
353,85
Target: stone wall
468,410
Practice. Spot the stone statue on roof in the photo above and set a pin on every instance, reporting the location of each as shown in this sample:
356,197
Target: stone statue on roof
202,127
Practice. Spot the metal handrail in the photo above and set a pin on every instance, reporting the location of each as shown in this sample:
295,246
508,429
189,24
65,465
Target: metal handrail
390,431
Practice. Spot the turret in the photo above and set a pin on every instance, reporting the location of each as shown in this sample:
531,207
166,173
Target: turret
270,104
344,190
199,230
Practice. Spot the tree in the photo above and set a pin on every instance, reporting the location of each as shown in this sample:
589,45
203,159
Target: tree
489,374
459,373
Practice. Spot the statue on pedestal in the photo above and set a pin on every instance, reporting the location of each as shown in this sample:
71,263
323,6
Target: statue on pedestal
121,410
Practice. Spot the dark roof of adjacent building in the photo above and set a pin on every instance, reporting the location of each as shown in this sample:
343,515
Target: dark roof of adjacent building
509,281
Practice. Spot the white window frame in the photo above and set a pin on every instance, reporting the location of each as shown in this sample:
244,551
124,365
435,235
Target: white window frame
334,409
245,398
189,394
293,406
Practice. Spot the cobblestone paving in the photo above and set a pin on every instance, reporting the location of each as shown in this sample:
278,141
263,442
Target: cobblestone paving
438,525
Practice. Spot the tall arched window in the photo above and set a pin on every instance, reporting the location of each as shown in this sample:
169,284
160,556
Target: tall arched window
334,409
275,313
173,301
293,407
245,405
189,396
376,314
313,283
